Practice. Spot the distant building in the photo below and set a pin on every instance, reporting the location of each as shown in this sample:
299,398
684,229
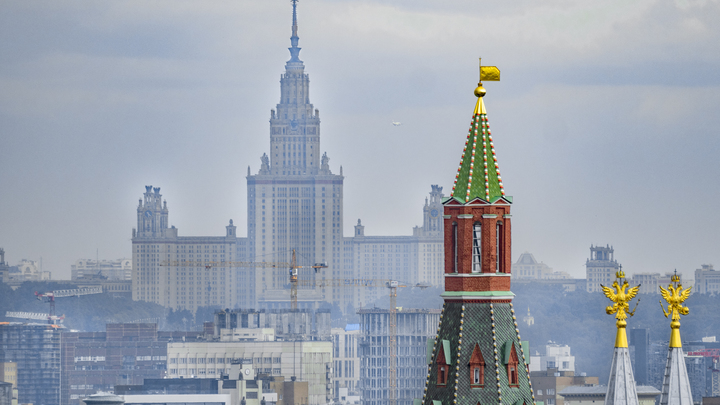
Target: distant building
601,267
294,203
595,394
120,269
639,345
549,383
6,393
528,268
8,372
650,283
35,349
416,259
707,280
27,270
346,359
125,354
307,361
240,385
269,325
4,268
414,327
556,357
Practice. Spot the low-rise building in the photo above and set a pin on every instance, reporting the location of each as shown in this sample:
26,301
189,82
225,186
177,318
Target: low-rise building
126,353
556,357
528,268
548,383
304,361
593,394
120,269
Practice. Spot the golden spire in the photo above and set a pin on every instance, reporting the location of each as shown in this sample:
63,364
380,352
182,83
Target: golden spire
620,306
489,73
675,296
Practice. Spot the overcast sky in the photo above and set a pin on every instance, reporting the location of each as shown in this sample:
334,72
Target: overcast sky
605,121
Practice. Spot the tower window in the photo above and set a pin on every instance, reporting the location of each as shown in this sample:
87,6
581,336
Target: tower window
455,247
477,368
499,248
477,248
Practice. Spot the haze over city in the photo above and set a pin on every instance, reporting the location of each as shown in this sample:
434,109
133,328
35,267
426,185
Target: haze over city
604,119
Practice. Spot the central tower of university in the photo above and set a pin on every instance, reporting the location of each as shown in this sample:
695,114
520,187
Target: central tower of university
294,200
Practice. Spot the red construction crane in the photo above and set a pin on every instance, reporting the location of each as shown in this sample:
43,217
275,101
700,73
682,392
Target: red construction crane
51,295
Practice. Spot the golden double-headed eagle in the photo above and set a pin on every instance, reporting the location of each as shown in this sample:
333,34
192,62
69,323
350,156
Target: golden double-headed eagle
620,299
675,297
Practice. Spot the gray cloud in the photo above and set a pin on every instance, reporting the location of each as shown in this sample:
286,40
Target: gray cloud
604,120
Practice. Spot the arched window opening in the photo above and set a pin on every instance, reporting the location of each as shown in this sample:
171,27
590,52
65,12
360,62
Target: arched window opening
477,248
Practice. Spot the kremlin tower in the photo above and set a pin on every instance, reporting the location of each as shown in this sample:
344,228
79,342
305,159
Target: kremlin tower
477,356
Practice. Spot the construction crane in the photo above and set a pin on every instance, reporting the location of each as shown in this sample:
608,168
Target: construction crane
34,315
51,295
714,354
392,285
292,266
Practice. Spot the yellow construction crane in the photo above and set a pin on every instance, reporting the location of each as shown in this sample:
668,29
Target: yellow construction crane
392,285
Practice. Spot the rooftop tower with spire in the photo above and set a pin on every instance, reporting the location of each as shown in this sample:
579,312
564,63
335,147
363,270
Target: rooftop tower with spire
294,200
676,384
621,389
477,356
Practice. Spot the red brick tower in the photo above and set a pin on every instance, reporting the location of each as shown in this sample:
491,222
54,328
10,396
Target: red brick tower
478,357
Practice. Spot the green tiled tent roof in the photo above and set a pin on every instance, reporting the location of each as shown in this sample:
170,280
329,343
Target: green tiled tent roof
492,328
479,173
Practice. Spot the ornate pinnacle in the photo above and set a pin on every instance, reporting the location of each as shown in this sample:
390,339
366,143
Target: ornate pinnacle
294,49
620,307
675,296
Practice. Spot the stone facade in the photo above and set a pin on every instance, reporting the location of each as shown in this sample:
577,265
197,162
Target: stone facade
601,267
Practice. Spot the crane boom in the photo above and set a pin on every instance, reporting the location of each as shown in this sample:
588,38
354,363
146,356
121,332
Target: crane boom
192,263
51,295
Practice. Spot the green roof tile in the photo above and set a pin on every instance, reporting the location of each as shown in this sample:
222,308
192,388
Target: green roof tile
479,172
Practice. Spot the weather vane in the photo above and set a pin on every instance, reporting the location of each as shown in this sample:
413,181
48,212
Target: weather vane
621,307
675,296
488,73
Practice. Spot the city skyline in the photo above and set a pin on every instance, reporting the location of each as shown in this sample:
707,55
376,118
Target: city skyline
104,99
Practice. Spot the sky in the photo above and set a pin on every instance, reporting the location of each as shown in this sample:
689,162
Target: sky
605,120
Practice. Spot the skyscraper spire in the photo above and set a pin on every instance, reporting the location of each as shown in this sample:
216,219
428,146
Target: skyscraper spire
294,50
676,384
622,389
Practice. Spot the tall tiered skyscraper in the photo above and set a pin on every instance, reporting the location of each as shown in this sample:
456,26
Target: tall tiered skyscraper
477,356
294,201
